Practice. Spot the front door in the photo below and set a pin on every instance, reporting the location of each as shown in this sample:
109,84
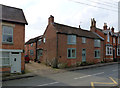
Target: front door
83,55
15,62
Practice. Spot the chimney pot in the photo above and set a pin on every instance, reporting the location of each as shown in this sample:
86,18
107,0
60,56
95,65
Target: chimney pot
93,23
112,29
105,26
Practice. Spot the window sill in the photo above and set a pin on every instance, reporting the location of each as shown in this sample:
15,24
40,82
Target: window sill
71,44
7,43
108,55
71,58
97,46
97,57
5,66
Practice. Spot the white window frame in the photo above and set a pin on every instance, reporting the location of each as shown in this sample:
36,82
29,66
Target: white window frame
44,40
83,39
118,53
6,34
114,40
108,37
110,48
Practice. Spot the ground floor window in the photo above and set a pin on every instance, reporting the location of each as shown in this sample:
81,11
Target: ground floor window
71,52
118,51
5,59
40,52
109,50
31,52
97,53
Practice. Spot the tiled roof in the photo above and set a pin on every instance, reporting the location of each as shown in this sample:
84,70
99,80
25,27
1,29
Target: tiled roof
33,40
64,29
12,14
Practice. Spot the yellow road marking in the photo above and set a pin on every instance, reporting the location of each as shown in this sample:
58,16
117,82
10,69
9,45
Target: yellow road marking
102,83
114,82
92,84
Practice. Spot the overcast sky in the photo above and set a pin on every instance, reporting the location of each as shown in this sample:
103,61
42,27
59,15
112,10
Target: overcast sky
67,12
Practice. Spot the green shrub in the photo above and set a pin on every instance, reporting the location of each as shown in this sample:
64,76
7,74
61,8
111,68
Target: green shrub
78,64
62,65
102,62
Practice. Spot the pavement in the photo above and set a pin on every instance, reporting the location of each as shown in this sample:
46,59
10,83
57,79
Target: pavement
43,70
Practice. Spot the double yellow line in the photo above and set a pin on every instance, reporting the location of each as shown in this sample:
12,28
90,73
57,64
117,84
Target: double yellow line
114,82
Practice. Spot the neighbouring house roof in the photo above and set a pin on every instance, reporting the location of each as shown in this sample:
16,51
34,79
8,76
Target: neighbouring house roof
64,29
33,40
108,31
12,14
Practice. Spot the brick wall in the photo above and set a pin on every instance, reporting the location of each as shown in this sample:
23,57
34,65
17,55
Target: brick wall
89,46
49,47
18,40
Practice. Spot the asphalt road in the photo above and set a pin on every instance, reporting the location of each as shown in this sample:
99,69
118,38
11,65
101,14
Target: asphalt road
92,77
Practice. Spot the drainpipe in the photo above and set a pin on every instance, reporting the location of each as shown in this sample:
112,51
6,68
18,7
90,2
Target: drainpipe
36,51
56,51
116,47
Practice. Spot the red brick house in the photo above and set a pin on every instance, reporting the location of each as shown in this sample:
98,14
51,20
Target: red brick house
118,45
110,40
12,38
31,48
64,44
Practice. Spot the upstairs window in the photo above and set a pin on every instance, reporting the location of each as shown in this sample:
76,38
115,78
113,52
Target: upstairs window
97,43
83,40
71,39
39,41
7,34
31,44
113,40
44,40
108,37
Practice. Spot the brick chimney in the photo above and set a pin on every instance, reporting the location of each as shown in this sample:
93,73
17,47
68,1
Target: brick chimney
112,29
51,19
79,27
105,26
93,23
